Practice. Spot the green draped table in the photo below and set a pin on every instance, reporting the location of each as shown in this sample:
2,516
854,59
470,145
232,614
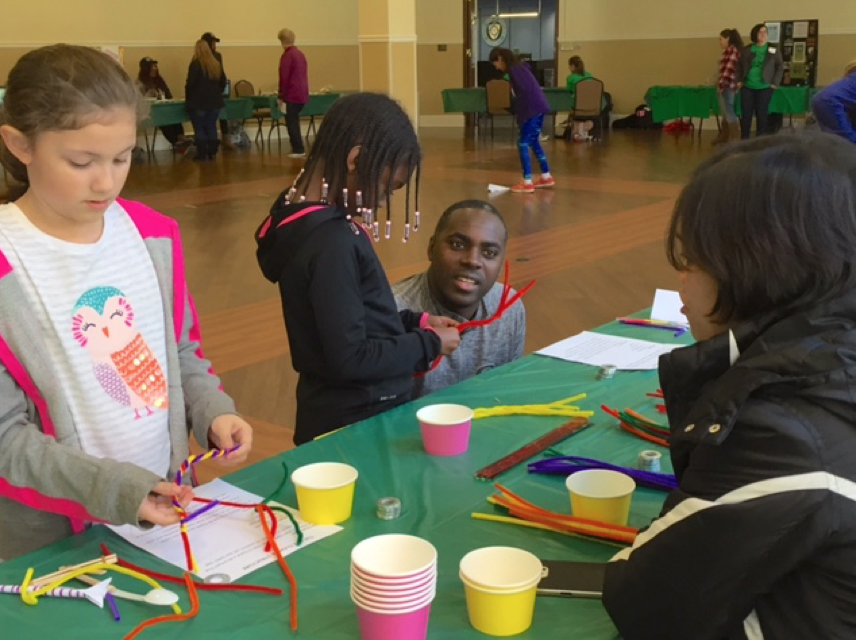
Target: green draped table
317,106
166,112
672,102
474,100
438,495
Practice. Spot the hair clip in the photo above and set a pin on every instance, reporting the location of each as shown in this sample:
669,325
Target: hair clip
302,199
416,221
406,232
376,231
324,190
388,229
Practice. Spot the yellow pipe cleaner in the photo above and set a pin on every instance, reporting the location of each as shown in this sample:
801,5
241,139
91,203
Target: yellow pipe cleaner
557,408
32,598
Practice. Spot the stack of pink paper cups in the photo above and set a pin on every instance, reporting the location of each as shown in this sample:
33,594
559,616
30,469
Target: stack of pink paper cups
393,582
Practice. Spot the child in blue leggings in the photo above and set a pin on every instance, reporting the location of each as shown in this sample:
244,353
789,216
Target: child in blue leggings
530,105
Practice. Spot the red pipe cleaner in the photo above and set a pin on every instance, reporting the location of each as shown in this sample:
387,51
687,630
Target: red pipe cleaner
262,510
204,586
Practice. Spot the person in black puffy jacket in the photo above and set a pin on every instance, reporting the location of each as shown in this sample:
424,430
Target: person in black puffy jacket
759,540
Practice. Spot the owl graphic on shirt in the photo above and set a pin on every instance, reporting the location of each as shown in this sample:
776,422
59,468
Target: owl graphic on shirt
124,365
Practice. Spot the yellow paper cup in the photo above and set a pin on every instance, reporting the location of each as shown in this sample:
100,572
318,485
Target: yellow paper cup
501,568
601,494
500,613
325,491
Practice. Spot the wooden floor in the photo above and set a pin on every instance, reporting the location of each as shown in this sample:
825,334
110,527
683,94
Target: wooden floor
594,243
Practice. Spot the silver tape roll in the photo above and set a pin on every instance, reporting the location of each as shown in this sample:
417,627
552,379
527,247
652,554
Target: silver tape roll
649,460
606,371
388,508
218,578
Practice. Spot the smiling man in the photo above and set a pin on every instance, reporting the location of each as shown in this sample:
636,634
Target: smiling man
467,252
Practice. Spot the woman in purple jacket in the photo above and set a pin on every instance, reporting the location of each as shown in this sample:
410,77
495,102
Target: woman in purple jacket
529,106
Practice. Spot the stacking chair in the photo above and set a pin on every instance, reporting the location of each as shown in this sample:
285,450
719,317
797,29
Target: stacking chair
245,89
588,104
498,94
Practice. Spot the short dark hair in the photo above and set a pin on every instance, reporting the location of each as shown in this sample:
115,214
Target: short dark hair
773,222
480,205
380,127
733,36
507,56
754,33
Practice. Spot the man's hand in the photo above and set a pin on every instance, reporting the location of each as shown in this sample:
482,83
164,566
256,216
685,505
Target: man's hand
228,431
157,507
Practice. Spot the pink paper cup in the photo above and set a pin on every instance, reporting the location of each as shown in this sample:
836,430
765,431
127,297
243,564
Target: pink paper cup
402,625
445,428
394,556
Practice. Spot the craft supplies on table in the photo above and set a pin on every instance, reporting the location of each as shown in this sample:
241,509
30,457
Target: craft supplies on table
533,448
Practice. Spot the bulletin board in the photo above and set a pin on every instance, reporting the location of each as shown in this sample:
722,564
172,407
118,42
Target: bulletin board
798,42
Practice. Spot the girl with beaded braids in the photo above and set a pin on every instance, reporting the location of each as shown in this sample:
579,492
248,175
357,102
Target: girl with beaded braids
354,352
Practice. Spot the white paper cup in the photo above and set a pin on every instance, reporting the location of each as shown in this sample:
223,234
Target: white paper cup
393,589
393,556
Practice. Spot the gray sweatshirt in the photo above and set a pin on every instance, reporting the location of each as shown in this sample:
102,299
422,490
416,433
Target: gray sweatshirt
481,348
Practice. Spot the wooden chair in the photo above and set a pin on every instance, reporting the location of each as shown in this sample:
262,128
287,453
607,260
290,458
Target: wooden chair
245,89
588,104
498,93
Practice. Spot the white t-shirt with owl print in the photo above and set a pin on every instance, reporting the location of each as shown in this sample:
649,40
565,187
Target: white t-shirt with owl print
101,311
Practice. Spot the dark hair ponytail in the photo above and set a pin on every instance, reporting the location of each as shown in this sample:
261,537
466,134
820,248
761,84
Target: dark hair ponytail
733,36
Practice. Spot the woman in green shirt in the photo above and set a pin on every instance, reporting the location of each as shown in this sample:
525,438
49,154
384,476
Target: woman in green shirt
578,72
760,72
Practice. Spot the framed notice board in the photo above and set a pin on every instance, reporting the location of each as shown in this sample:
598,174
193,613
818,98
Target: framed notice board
797,40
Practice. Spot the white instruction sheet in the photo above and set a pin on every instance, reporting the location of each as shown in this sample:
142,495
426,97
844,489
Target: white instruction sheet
599,349
224,540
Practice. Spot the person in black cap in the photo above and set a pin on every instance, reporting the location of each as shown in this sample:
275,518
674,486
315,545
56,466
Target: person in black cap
152,85
212,41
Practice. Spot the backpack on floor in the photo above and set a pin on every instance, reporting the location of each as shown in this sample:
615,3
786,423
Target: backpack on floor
238,134
642,118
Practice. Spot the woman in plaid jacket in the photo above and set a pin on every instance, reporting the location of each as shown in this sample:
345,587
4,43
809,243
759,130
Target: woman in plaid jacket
726,86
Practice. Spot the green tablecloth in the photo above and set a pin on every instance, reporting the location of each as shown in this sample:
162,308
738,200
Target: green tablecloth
174,112
319,104
438,496
268,101
474,100
471,100
671,102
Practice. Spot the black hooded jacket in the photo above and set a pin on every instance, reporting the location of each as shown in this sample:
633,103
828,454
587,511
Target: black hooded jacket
355,353
759,540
